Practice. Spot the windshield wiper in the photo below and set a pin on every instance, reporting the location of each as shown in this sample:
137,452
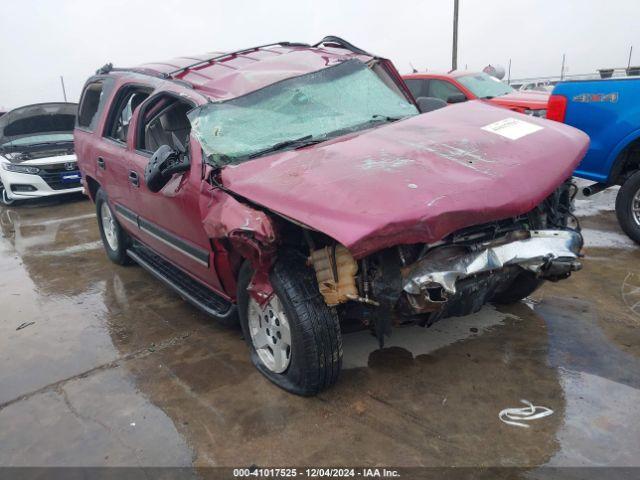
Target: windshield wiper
386,118
296,143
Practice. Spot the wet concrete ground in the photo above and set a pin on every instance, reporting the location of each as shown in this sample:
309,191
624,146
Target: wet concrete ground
111,368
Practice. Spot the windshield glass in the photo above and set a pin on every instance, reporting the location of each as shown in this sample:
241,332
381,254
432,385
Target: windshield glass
336,100
484,86
33,139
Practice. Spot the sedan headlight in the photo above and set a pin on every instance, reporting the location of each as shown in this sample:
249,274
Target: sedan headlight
542,113
12,167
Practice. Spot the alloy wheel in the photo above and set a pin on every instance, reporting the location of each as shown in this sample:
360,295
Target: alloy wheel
270,334
109,226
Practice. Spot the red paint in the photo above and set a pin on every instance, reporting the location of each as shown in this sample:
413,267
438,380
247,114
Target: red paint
518,101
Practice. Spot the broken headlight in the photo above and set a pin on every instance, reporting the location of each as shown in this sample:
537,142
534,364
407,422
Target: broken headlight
10,167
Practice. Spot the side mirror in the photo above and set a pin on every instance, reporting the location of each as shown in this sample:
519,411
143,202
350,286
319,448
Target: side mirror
429,104
456,98
164,163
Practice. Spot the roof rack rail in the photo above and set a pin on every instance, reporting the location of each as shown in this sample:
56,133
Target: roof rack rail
342,43
231,54
108,68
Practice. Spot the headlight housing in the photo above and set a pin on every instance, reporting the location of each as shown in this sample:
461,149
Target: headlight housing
542,112
12,167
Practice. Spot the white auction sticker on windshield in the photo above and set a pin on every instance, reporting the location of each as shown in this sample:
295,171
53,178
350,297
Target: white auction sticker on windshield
512,128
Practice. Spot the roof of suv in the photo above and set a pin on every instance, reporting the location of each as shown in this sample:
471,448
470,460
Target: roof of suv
221,76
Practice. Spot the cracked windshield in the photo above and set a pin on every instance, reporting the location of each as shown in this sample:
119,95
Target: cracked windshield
297,112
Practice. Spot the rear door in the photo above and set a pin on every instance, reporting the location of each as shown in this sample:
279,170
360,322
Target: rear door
111,151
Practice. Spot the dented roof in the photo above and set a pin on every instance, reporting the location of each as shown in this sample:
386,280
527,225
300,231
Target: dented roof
221,76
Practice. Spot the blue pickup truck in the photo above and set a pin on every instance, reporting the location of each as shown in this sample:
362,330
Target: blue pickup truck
609,112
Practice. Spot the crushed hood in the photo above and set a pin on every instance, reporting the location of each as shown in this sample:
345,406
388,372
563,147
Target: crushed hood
415,180
37,119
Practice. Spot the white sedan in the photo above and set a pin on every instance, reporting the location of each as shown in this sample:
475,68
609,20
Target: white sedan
36,152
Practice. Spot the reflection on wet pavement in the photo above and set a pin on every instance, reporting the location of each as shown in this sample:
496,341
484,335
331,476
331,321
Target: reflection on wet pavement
118,370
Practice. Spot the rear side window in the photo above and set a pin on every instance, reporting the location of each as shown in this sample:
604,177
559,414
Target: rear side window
92,103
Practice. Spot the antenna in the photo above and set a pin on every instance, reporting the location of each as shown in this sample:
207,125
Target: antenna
413,68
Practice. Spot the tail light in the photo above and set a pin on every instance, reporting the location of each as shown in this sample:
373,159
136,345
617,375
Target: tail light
557,108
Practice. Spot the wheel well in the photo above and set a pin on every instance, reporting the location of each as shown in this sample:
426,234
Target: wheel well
627,163
93,186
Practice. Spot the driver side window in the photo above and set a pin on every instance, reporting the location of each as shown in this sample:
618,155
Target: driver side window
442,89
164,122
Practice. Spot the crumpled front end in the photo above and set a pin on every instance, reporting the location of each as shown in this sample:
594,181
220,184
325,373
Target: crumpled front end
501,261
433,280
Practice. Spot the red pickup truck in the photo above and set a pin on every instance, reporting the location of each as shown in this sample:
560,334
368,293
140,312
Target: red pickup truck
460,86
289,186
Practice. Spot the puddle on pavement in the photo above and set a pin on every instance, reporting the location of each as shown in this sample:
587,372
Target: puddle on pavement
430,397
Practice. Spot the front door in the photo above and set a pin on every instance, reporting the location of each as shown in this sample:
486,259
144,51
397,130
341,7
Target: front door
169,221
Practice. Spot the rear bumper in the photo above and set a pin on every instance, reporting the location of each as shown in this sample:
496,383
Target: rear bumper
550,254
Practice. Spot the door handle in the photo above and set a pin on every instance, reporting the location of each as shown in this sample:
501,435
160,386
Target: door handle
101,164
134,179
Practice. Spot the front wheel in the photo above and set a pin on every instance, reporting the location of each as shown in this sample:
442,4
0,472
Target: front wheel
628,207
295,338
114,238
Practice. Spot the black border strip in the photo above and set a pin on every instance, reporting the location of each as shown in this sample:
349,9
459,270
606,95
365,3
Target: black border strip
127,214
197,254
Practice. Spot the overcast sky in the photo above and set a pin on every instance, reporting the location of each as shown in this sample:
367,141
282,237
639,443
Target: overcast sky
41,40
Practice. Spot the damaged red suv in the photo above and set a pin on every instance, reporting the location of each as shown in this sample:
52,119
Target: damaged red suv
289,186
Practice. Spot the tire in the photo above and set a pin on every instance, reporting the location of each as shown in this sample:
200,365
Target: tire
522,286
114,239
315,341
628,207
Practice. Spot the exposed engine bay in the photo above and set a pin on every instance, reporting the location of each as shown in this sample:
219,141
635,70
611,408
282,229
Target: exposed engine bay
23,153
423,283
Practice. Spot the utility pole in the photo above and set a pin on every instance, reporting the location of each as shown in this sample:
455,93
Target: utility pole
562,68
454,53
64,92
509,74
630,52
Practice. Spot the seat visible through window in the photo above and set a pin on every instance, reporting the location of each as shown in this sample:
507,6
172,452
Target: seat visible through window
169,122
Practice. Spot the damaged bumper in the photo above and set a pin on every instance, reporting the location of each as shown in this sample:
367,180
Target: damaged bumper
550,254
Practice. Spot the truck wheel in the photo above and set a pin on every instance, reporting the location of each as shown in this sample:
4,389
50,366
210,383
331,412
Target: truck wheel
114,238
628,207
524,285
295,339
